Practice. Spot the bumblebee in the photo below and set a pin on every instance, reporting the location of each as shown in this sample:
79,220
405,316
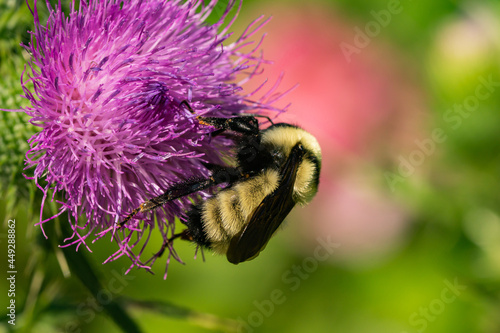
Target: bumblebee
276,168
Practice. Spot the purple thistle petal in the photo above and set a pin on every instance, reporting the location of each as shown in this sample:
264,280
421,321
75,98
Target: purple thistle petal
108,82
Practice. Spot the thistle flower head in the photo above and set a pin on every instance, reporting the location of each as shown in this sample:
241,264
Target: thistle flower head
109,79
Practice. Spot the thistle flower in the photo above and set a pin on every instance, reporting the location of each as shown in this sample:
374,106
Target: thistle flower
109,80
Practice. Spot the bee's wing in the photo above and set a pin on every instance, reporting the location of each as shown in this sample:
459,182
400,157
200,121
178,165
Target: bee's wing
269,215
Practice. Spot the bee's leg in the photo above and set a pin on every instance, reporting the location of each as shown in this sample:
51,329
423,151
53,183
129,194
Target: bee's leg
175,192
219,175
185,235
217,132
246,125
264,116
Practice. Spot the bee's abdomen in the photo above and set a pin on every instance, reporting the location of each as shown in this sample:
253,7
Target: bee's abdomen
226,214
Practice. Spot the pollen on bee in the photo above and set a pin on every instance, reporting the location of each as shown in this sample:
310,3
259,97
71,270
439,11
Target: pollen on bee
202,122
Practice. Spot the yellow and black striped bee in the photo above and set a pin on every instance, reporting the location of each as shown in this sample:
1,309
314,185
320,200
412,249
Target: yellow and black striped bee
276,168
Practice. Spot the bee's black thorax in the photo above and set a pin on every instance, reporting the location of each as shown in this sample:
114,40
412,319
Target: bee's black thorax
254,156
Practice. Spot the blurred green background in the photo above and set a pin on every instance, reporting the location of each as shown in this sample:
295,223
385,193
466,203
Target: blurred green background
403,97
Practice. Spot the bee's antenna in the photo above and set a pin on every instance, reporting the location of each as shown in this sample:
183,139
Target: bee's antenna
186,104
